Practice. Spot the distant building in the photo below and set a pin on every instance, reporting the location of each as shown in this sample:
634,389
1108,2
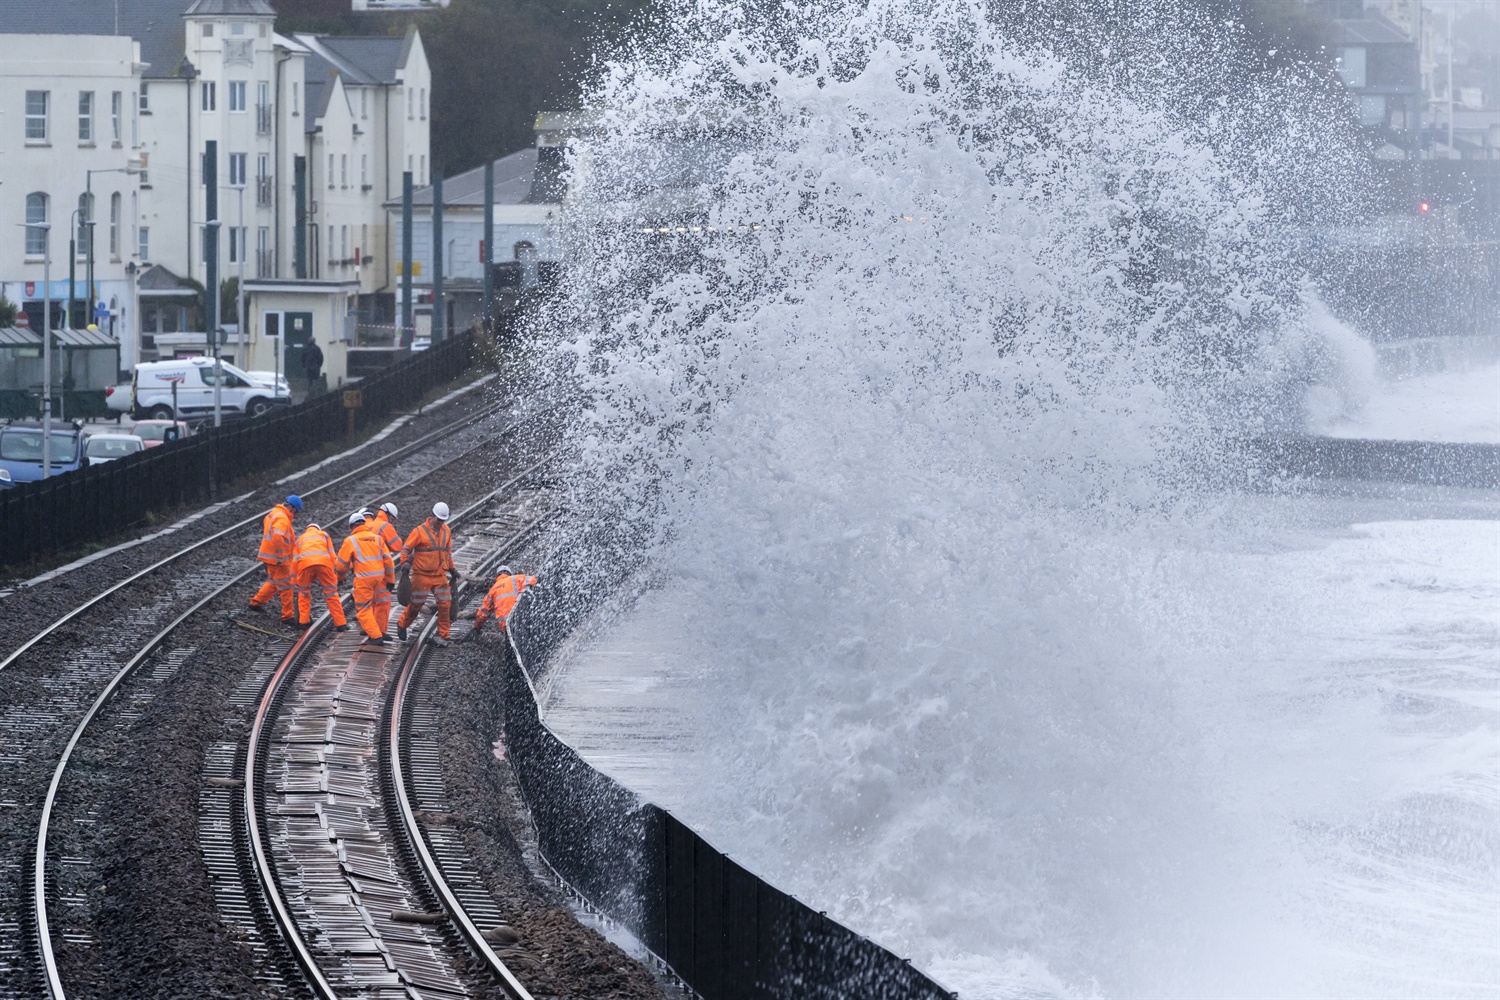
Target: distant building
143,85
378,5
1380,67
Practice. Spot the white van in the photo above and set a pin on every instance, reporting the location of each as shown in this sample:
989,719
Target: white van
151,390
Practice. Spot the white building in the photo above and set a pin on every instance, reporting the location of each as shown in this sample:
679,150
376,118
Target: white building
68,126
345,115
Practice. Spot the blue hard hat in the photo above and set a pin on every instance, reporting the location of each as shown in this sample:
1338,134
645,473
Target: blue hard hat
294,502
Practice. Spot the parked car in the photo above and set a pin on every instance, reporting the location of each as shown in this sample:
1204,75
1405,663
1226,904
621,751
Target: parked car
156,432
151,392
21,450
276,380
5,481
108,447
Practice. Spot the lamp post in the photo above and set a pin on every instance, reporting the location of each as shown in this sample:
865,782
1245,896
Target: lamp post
88,193
239,306
46,228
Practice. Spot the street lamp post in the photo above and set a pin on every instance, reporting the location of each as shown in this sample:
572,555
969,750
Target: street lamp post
46,228
239,306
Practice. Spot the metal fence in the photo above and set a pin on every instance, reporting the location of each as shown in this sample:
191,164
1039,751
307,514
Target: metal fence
92,503
726,932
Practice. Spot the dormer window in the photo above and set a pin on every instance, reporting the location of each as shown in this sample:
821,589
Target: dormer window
208,31
236,27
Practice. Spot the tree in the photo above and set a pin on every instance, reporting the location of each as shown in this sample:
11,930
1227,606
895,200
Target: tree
8,312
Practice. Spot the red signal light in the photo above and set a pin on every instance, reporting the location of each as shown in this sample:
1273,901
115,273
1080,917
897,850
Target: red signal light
1424,207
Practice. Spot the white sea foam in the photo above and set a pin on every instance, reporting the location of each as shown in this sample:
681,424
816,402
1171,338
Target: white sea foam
911,433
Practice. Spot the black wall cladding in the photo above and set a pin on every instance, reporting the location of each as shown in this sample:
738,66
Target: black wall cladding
724,930
93,503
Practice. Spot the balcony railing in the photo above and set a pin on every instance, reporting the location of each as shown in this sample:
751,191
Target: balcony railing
263,119
262,191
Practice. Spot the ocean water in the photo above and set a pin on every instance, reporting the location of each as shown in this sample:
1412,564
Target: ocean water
898,364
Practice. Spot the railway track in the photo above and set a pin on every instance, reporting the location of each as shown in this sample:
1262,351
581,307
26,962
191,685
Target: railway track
74,670
340,771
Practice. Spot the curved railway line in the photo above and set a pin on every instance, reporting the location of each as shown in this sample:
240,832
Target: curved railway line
83,670
370,902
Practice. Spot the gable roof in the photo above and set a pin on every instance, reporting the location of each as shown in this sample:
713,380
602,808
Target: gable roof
156,24
241,8
361,61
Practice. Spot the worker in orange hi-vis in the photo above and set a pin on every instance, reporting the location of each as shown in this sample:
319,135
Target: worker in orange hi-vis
429,549
367,560
502,598
278,550
385,527
317,567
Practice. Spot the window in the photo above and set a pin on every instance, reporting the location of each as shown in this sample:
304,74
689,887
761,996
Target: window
364,240
204,239
364,111
422,177
236,27
208,31
364,170
330,244
210,95
410,97
343,170
145,248
1371,109
114,225
408,163
135,121
423,103
36,212
263,252
86,116
344,242
237,169
263,93
116,106
294,99
85,216
36,115
263,165
237,90
330,171
145,99
236,244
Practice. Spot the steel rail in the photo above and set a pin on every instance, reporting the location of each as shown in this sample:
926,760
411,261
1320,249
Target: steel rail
414,835
39,879
265,869
399,453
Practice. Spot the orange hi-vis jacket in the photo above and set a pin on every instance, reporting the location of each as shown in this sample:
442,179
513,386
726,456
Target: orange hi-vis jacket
429,548
368,560
388,533
501,600
315,548
277,545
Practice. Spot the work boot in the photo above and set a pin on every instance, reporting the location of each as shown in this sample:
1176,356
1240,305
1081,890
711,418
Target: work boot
440,642
260,609
304,624
341,628
373,641
401,632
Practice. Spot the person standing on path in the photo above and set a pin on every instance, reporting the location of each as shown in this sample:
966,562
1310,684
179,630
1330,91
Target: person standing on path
363,556
385,527
429,550
316,568
278,551
312,367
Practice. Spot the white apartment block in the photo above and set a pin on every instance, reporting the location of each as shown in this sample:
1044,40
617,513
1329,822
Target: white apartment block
348,114
68,125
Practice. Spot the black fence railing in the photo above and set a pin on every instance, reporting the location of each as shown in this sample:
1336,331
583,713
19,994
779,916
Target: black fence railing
726,932
92,503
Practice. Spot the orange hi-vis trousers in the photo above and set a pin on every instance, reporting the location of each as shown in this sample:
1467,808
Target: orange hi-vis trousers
281,582
423,587
372,608
323,578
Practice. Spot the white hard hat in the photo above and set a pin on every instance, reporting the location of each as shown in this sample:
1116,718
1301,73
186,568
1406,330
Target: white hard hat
390,509
357,518
440,511
314,527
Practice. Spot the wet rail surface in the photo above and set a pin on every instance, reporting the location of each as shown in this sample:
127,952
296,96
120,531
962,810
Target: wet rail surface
339,780
65,675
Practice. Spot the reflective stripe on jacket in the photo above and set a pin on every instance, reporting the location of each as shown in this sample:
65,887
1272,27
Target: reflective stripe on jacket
314,548
430,549
388,533
276,540
364,555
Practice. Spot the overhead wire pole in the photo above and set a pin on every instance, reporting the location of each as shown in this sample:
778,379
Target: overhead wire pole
439,311
406,265
46,228
211,268
487,245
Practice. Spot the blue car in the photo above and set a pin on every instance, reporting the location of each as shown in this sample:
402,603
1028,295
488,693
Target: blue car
21,450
